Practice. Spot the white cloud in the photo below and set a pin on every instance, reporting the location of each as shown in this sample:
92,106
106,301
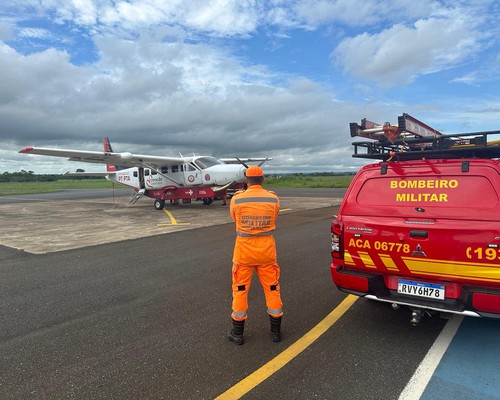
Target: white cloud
224,16
36,33
468,79
220,17
314,13
156,96
398,54
86,11
6,30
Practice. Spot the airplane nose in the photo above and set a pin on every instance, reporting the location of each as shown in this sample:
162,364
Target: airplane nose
241,174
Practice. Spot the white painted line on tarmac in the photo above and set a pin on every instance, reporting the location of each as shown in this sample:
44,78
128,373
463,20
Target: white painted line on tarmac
420,379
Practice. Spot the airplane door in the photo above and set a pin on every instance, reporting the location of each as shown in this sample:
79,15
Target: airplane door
192,176
142,184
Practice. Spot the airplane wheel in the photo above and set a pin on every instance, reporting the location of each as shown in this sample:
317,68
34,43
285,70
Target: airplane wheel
159,204
207,201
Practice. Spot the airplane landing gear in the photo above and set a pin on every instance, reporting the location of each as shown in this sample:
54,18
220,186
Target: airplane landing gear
159,204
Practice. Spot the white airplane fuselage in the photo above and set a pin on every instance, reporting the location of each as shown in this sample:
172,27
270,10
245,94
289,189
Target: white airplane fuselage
150,179
189,180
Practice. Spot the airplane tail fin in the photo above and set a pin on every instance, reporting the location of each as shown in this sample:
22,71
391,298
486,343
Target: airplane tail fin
108,149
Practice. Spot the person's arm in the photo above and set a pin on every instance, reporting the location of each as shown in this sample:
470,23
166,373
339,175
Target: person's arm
232,209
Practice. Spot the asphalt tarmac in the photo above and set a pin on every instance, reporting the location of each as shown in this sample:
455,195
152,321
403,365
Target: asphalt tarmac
70,219
101,301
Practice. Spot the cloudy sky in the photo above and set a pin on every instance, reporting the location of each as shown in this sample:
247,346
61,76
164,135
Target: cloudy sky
277,78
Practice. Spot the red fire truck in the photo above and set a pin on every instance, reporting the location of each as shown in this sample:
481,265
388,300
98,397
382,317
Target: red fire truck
421,227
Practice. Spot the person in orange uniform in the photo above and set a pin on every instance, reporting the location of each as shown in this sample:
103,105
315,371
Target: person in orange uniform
254,212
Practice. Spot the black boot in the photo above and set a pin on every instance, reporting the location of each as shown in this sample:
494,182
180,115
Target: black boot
235,335
276,328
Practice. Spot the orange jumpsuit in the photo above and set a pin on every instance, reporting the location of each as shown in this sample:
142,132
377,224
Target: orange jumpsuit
255,211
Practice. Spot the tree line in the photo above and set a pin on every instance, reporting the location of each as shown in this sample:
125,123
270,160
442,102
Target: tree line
30,176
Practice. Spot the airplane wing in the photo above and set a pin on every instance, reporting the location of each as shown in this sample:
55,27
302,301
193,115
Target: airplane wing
124,159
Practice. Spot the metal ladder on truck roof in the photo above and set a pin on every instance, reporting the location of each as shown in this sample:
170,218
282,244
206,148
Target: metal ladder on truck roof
411,139
407,127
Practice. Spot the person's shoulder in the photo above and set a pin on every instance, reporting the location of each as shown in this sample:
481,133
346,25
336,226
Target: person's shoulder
271,194
270,191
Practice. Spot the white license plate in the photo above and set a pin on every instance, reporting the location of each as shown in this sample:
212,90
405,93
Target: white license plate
422,289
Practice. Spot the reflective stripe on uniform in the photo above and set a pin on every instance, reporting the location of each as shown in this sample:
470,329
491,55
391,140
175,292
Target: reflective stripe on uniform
255,200
239,314
245,234
277,311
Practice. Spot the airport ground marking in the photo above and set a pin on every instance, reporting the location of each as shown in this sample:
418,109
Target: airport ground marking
251,381
173,221
423,374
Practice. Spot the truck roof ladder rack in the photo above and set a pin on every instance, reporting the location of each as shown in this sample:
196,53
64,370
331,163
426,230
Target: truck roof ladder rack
411,139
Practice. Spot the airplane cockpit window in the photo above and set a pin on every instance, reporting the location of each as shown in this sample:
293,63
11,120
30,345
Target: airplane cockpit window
206,162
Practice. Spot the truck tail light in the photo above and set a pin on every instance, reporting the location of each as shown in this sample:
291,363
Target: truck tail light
337,230
486,302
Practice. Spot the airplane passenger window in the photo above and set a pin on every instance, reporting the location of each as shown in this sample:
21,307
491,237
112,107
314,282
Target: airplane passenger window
146,172
175,168
164,170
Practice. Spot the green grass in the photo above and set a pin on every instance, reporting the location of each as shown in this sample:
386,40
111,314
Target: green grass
294,181
309,181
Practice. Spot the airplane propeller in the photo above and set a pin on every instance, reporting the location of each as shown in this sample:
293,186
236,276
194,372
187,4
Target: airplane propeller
242,163
263,161
246,166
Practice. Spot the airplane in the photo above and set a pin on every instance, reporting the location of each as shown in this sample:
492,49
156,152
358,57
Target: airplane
161,178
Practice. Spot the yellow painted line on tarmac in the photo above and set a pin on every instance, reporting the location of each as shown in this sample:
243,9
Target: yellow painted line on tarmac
173,221
264,372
